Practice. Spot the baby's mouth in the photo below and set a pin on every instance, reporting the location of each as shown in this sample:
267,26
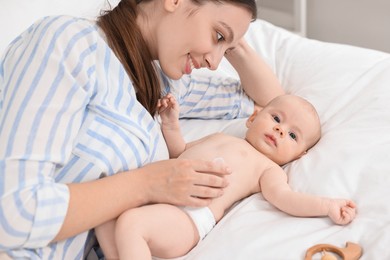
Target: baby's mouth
271,139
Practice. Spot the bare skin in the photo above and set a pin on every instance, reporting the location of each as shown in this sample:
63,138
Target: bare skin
242,181
283,131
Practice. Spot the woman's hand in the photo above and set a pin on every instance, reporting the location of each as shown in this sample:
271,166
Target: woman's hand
184,182
176,181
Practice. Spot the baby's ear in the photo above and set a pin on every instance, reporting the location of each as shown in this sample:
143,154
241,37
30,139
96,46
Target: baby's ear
258,108
302,154
251,118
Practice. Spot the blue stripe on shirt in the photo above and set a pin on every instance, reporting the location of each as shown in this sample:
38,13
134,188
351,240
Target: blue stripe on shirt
120,90
24,70
16,44
57,81
97,154
124,136
34,84
109,143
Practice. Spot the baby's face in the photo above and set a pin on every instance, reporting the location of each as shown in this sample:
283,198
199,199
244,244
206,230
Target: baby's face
285,129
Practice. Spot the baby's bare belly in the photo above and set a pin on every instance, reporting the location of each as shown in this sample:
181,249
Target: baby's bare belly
244,161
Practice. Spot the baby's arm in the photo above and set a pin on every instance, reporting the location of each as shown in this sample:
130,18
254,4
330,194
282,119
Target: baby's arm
168,108
276,190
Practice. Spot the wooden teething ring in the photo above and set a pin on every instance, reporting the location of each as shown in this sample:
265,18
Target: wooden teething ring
352,251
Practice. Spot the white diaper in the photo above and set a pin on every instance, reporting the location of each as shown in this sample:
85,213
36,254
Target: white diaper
204,221
203,218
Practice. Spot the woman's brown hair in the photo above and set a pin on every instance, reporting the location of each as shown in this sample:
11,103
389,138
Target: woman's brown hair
125,39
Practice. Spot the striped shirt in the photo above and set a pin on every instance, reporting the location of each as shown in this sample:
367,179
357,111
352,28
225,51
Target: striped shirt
202,97
69,113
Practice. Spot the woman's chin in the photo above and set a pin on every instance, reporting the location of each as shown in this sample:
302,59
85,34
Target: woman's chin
175,75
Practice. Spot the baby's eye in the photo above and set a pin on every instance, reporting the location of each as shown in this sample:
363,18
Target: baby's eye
277,119
220,37
292,135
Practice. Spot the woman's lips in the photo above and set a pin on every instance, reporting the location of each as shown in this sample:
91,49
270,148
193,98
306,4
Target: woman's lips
191,64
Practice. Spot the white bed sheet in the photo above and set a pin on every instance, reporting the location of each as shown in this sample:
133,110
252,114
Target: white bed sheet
350,88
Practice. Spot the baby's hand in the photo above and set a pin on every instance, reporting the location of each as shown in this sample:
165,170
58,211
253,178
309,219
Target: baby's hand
168,108
341,211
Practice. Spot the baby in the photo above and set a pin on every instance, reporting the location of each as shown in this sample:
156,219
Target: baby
279,133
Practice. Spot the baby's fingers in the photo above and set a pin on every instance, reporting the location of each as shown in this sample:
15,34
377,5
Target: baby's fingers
350,211
347,214
162,105
351,204
164,102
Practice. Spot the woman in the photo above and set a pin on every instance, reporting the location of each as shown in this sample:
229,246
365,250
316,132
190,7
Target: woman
78,137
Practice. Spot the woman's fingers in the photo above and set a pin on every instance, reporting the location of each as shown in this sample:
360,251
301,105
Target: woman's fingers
210,179
200,173
186,182
217,167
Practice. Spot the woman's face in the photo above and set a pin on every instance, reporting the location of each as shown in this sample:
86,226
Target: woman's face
192,36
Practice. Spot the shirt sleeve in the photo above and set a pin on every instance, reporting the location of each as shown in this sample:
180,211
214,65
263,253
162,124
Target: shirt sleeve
208,97
46,78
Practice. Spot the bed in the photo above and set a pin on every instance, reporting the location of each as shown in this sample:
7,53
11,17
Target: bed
349,86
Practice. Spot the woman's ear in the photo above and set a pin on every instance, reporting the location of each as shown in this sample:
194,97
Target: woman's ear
171,5
250,119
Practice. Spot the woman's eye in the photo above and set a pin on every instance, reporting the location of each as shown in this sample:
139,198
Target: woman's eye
292,135
220,37
277,119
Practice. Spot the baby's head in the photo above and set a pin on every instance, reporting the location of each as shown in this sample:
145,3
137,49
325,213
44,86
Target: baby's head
284,129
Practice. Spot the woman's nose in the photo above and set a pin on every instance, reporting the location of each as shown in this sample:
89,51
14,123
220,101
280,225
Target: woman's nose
213,59
279,129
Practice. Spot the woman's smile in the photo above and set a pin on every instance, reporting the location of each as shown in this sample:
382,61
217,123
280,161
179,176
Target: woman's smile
190,65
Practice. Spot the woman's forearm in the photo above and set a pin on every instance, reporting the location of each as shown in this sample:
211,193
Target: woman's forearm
257,78
179,182
93,203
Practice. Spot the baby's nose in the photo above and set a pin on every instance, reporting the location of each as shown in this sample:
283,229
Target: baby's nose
279,129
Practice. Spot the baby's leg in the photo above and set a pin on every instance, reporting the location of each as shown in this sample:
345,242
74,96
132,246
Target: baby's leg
160,230
105,234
